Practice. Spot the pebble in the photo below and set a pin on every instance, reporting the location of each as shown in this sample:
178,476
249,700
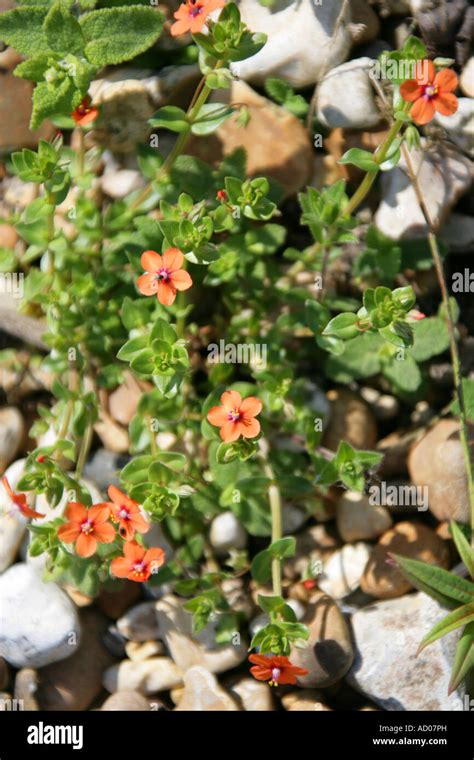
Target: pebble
352,420
203,693
75,683
12,522
40,623
444,175
252,695
305,700
8,235
126,700
313,546
346,97
104,468
467,78
290,165
188,649
143,650
146,676
460,126
121,182
4,674
409,539
437,462
363,15
227,533
343,570
139,623
357,519
328,653
386,669
26,687
301,44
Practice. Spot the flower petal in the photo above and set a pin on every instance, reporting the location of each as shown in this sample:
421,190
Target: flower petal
229,432
425,72
133,552
68,533
138,523
99,513
446,103
422,111
104,533
261,674
76,512
154,558
446,80
180,27
217,416
249,428
86,545
172,259
120,567
181,279
260,659
231,399
147,284
251,406
151,261
166,293
411,90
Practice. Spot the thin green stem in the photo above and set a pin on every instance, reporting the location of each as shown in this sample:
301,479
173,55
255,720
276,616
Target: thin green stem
369,179
153,446
50,201
84,449
274,497
200,96
450,322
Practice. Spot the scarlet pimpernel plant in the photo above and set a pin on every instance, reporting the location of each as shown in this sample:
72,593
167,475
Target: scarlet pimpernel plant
124,290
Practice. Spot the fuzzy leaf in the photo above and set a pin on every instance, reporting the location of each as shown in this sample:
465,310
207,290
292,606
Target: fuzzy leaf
63,32
22,29
114,35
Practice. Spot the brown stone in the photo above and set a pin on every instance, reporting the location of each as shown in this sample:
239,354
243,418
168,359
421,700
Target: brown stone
8,236
74,683
270,125
115,603
351,420
26,686
409,539
437,462
127,700
328,653
15,112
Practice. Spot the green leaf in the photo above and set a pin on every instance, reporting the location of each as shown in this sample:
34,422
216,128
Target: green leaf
133,347
284,547
343,326
261,567
170,117
34,68
445,587
463,546
463,659
360,158
48,102
136,471
458,617
404,373
63,32
22,29
114,35
430,338
210,117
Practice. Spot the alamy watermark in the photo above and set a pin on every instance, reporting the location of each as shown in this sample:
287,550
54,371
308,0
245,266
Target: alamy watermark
254,354
12,282
393,70
399,496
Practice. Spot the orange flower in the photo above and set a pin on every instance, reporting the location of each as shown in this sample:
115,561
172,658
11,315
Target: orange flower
275,670
430,92
86,527
163,275
192,15
85,112
236,417
138,563
126,513
19,500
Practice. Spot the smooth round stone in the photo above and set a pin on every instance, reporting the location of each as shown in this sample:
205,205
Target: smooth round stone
139,623
126,700
343,570
147,677
358,519
203,693
12,430
38,621
227,533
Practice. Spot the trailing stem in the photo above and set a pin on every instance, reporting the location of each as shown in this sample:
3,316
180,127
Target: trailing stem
274,498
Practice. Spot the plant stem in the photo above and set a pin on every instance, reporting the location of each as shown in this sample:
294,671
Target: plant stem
153,446
274,498
200,96
369,179
84,449
450,322
50,201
